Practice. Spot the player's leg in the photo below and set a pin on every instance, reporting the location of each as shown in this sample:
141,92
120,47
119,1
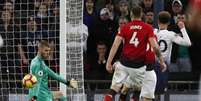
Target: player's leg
162,81
58,96
135,78
117,82
124,93
148,86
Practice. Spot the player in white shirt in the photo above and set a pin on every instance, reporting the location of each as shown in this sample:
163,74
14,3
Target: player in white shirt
165,40
74,32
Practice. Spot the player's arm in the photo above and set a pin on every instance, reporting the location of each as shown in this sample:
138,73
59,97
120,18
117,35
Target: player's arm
115,46
157,51
185,40
22,54
71,83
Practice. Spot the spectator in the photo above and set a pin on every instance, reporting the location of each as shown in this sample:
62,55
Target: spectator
149,17
177,7
9,63
180,55
29,41
134,2
8,6
112,13
124,9
147,5
97,69
104,28
43,15
43,11
89,13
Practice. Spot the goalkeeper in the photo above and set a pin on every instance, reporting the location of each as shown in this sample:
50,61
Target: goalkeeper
41,92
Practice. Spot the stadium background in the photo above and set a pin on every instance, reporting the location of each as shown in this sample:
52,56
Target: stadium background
21,20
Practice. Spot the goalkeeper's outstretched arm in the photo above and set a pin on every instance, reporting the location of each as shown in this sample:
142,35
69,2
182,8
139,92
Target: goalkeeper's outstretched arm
71,83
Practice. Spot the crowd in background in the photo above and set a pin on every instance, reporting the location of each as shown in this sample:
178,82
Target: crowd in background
24,22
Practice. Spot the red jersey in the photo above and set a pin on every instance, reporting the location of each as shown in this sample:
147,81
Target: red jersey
135,35
150,54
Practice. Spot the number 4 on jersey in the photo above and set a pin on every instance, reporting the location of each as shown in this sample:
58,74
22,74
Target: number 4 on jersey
134,39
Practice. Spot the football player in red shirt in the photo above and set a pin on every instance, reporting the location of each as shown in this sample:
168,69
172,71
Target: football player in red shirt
131,67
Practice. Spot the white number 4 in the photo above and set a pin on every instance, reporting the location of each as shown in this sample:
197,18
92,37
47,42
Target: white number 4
134,39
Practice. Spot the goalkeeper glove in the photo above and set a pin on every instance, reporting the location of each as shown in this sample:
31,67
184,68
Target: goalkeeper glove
72,83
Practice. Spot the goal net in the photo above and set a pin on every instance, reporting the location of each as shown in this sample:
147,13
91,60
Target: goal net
23,23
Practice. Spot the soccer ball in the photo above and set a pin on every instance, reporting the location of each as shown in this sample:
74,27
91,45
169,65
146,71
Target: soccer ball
29,81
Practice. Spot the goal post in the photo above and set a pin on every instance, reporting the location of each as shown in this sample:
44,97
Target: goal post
71,47
62,52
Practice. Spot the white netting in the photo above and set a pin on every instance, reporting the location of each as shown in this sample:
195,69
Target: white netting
22,24
76,32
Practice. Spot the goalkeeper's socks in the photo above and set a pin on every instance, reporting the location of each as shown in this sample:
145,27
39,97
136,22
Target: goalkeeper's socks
62,98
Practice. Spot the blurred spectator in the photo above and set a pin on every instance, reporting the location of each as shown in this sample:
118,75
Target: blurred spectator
100,4
37,4
97,70
124,9
43,15
147,5
134,2
29,41
8,52
89,13
112,13
53,22
42,11
177,7
180,54
149,17
8,6
104,28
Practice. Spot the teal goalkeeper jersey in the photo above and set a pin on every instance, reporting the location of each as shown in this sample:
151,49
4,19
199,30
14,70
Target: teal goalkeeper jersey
42,72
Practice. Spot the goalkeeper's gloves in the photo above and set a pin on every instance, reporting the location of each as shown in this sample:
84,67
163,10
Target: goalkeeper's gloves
72,83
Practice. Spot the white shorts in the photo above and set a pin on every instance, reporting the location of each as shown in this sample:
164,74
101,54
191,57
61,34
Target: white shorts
131,77
148,85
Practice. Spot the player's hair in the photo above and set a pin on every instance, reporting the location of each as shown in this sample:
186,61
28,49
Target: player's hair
43,43
136,11
101,43
164,17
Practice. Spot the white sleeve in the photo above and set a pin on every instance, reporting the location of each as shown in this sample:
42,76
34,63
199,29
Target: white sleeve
185,40
1,41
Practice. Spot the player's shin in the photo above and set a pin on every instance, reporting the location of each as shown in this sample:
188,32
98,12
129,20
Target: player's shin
124,93
135,96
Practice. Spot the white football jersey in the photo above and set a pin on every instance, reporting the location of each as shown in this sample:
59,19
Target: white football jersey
166,38
74,32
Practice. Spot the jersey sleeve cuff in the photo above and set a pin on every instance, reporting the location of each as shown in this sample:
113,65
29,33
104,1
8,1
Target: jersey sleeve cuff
67,83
